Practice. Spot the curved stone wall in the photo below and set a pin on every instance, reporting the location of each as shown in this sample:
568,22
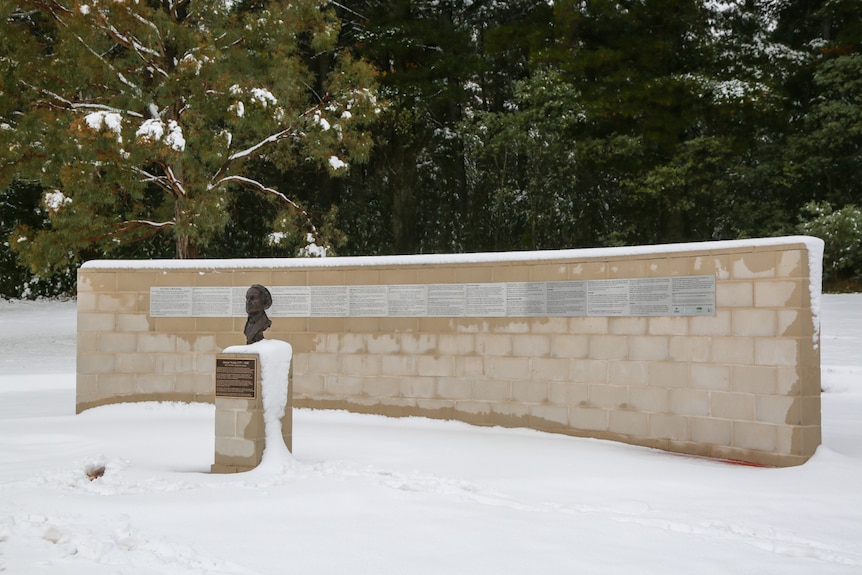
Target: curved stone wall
740,382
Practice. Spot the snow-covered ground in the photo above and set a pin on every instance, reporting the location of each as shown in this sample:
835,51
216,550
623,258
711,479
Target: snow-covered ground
370,495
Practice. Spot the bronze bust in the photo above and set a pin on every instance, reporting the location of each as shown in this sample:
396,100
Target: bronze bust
257,300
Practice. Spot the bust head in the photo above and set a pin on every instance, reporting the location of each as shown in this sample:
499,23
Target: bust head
257,299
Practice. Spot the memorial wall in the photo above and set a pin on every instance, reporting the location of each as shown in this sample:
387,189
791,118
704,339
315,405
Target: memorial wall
706,349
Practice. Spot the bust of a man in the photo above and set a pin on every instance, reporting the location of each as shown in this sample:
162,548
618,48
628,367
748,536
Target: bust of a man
257,301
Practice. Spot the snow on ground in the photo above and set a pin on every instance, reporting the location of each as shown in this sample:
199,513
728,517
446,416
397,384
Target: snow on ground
371,495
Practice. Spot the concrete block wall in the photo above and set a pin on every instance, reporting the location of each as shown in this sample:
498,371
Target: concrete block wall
742,385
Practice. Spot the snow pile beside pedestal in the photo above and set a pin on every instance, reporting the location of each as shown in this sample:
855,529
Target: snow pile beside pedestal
275,357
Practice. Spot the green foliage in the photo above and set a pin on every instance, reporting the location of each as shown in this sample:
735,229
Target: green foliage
825,156
691,194
21,207
841,232
439,64
143,119
548,187
619,138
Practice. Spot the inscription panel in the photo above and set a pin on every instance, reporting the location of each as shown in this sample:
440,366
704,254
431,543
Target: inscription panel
661,296
236,377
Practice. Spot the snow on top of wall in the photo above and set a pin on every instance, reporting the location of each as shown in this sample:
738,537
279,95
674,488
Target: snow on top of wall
814,245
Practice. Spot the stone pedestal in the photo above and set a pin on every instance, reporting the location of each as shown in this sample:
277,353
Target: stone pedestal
240,431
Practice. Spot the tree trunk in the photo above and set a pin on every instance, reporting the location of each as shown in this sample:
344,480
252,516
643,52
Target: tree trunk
187,248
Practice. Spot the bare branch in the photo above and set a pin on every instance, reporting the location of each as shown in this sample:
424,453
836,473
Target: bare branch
179,5
345,8
273,138
250,183
82,106
255,185
130,225
147,23
56,10
130,42
161,181
151,224
110,66
262,144
175,182
168,182
313,91
127,40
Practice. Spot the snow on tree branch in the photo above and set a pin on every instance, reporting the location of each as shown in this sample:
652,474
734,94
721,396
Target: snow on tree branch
151,224
67,104
160,181
251,183
128,41
55,9
175,182
255,185
276,137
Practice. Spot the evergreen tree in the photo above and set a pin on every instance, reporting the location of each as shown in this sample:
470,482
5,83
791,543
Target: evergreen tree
426,56
606,99
824,156
20,204
139,118
841,232
641,122
823,153
440,63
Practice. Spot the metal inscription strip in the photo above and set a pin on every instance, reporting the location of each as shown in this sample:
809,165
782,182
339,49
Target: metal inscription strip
662,296
236,377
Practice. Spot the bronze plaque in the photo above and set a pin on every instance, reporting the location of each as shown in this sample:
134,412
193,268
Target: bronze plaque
235,377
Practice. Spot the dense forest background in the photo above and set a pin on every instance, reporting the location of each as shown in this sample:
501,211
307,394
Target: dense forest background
536,124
